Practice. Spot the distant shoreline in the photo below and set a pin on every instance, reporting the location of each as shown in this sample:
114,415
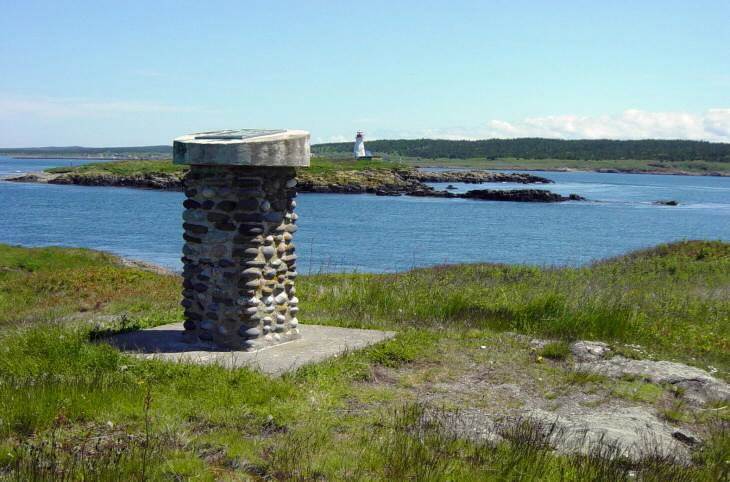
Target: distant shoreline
614,171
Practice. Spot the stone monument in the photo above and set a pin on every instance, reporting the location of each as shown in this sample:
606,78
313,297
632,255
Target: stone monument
239,221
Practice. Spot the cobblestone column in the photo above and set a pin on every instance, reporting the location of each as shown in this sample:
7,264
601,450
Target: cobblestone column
239,258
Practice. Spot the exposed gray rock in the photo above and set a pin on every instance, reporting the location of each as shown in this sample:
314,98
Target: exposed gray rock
697,385
585,351
634,432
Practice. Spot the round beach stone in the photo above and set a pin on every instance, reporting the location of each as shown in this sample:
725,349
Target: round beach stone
274,217
190,250
249,332
219,251
191,204
215,217
226,206
281,298
194,216
215,237
250,204
208,193
249,344
251,273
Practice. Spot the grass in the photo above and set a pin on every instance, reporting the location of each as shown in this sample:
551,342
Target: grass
674,299
72,409
122,168
557,350
621,165
319,165
51,283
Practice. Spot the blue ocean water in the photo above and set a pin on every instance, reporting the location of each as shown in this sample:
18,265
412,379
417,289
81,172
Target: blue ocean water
343,232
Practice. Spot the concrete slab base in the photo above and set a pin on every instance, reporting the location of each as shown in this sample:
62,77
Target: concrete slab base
317,343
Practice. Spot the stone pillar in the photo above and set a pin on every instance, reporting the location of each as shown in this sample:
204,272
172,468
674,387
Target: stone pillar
239,221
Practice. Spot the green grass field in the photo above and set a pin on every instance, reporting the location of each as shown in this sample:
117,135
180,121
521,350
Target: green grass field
71,408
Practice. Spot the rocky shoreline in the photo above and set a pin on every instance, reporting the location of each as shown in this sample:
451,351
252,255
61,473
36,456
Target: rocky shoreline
381,182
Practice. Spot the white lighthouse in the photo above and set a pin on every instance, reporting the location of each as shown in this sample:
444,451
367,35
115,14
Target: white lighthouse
359,149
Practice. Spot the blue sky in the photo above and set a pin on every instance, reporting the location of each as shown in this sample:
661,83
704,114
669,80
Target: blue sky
102,73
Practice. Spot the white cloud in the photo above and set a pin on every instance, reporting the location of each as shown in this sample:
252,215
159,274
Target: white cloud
49,107
717,122
712,125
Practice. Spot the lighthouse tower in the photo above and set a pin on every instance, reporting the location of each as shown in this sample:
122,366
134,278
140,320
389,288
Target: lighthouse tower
359,150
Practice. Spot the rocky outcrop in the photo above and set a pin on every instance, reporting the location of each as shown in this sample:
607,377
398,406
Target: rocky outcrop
520,195
476,177
36,177
594,418
633,432
161,181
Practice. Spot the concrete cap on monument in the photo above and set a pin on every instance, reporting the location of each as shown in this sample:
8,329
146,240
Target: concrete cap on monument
244,147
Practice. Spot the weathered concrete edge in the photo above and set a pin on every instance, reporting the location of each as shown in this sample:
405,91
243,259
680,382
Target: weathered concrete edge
317,343
287,149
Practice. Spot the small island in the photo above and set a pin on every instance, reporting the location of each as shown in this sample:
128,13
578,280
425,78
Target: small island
344,176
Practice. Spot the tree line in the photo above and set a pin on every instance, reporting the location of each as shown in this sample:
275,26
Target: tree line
539,148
